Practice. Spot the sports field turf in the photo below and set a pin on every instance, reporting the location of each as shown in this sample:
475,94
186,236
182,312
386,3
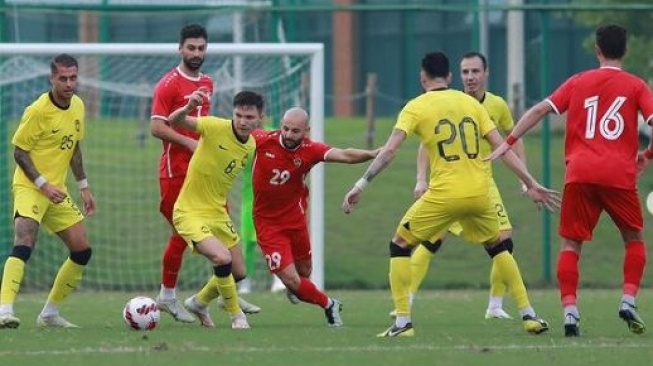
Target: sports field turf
450,330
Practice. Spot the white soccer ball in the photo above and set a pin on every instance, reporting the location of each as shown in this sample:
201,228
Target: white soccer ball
141,313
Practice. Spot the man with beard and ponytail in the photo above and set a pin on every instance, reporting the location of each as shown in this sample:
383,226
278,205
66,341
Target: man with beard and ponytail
282,161
172,92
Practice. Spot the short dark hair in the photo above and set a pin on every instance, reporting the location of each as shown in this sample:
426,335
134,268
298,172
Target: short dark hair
436,65
192,31
611,40
64,60
473,54
248,99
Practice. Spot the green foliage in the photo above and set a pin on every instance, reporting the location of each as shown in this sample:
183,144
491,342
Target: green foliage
450,330
640,29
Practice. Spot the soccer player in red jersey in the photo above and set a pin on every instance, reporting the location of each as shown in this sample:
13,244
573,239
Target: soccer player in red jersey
172,92
602,163
283,159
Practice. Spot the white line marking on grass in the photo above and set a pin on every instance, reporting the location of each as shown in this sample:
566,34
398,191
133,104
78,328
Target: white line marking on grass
374,348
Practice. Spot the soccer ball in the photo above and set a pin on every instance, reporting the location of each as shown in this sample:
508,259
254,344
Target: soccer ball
141,313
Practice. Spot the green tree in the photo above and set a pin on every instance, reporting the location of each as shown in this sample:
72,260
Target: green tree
640,29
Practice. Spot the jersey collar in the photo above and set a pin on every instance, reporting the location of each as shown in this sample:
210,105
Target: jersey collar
186,76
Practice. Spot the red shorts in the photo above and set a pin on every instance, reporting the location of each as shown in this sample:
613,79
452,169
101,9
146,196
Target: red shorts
582,204
281,247
170,188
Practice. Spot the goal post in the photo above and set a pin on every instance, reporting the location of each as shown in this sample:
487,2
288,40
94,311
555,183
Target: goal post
116,81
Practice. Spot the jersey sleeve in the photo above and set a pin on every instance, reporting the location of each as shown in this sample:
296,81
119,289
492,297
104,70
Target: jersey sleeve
505,122
484,121
319,151
408,118
82,120
645,102
162,100
560,98
29,130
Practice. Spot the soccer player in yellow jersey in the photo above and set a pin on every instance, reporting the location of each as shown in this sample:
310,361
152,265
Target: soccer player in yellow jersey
200,214
474,73
46,143
451,125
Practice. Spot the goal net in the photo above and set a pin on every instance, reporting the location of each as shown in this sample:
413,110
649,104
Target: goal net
116,81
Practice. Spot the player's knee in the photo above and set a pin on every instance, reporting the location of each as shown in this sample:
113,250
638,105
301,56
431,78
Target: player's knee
22,252
432,247
222,270
81,257
397,251
509,245
494,250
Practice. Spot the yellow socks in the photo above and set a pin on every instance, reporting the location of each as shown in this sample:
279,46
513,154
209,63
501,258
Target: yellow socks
420,261
68,277
400,273
209,292
11,279
508,270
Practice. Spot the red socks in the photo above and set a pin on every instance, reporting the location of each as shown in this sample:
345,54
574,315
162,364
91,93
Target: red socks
634,263
308,292
172,258
568,277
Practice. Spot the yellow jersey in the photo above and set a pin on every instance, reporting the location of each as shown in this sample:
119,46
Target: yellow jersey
49,133
450,124
216,163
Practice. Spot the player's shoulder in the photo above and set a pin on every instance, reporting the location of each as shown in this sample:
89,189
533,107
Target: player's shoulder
494,98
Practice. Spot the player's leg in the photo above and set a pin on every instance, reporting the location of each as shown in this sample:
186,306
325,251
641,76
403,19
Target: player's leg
173,255
29,207
579,215
424,219
483,227
497,284
239,271
624,208
215,245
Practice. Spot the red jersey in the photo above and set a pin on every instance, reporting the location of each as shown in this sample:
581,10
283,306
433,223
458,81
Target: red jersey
280,192
171,93
601,139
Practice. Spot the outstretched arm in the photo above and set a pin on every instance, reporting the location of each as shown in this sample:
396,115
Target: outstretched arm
382,161
350,156
542,196
531,118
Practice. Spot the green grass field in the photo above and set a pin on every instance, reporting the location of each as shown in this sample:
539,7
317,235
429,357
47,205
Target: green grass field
450,330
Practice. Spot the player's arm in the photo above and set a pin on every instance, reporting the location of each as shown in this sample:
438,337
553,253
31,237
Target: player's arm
382,161
350,156
161,130
421,184
25,163
77,166
181,118
542,196
531,118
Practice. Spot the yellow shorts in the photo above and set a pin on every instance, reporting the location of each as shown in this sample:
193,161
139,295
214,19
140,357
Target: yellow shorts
431,216
32,203
196,227
502,214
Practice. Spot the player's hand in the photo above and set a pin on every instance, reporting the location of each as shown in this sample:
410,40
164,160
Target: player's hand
544,197
498,152
89,201
351,199
420,188
197,98
54,194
